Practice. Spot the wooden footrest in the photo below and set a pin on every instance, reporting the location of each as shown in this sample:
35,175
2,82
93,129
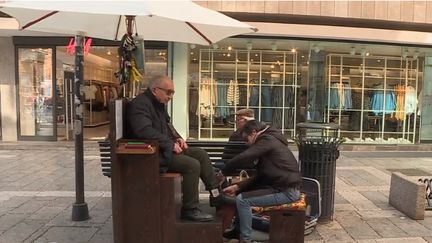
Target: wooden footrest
287,226
199,232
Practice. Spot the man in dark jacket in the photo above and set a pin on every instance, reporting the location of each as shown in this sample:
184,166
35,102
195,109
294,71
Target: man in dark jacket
277,179
148,119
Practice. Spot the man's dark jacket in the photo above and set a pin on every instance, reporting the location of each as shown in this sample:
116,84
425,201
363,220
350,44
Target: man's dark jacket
148,119
277,168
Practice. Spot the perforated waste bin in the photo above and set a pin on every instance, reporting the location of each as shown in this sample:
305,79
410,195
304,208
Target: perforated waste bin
318,145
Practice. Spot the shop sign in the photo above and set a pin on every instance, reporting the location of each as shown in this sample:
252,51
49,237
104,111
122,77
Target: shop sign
70,48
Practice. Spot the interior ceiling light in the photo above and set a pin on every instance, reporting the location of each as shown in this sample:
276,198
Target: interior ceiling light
316,49
273,46
293,50
229,48
109,52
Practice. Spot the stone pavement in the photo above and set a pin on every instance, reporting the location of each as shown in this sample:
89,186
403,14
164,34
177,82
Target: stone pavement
37,192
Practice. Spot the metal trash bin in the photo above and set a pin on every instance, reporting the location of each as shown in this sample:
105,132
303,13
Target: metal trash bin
318,145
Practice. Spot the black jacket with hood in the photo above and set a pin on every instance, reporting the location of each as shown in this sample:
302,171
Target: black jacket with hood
277,168
148,119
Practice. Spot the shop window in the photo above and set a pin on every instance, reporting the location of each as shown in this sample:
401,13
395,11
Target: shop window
224,81
36,102
374,98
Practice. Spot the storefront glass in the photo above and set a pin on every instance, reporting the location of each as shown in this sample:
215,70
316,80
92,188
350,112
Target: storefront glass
36,100
372,91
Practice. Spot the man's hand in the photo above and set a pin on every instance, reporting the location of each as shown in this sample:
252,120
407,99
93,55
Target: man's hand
177,148
231,190
182,143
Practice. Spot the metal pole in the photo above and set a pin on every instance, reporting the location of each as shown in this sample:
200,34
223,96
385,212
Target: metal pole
80,209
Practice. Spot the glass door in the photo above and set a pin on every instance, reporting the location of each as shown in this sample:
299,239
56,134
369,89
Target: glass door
36,98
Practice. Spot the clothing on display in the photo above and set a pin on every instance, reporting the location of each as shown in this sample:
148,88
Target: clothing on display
381,102
233,96
340,96
262,100
208,94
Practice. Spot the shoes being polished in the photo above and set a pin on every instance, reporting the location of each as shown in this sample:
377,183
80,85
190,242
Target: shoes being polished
222,200
195,214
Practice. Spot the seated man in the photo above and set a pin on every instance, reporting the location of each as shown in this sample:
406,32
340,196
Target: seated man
242,116
147,118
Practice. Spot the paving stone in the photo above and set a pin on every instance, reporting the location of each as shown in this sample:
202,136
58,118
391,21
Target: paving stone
411,227
102,238
386,229
14,202
339,199
377,198
46,213
427,222
344,207
402,240
29,207
21,231
9,220
355,226
333,231
371,214
67,234
358,200
314,236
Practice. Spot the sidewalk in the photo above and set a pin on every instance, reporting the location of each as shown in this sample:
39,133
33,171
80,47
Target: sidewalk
37,191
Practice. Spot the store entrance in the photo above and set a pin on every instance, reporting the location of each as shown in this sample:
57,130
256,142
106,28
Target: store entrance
65,110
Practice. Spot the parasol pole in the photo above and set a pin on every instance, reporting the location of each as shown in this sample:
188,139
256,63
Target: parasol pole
80,208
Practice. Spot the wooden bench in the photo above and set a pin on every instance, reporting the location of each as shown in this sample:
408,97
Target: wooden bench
218,152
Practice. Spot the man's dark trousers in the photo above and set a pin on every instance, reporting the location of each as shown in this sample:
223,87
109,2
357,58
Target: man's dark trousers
193,164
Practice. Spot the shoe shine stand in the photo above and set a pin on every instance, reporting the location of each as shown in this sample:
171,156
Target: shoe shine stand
146,204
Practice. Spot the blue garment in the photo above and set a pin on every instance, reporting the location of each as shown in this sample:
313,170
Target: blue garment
244,207
378,105
264,114
222,88
340,96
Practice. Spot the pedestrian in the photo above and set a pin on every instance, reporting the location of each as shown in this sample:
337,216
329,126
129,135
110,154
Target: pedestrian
277,178
147,118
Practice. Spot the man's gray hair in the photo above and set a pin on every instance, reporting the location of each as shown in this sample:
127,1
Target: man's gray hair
157,80
249,113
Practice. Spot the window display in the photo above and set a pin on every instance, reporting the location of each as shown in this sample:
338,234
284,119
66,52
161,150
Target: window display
229,80
374,99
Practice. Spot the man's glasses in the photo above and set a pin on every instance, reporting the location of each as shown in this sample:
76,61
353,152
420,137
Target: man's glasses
167,91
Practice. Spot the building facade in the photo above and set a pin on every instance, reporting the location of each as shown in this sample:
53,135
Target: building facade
363,65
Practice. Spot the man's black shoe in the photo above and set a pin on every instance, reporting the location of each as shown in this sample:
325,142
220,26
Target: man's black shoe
222,200
233,233
195,214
